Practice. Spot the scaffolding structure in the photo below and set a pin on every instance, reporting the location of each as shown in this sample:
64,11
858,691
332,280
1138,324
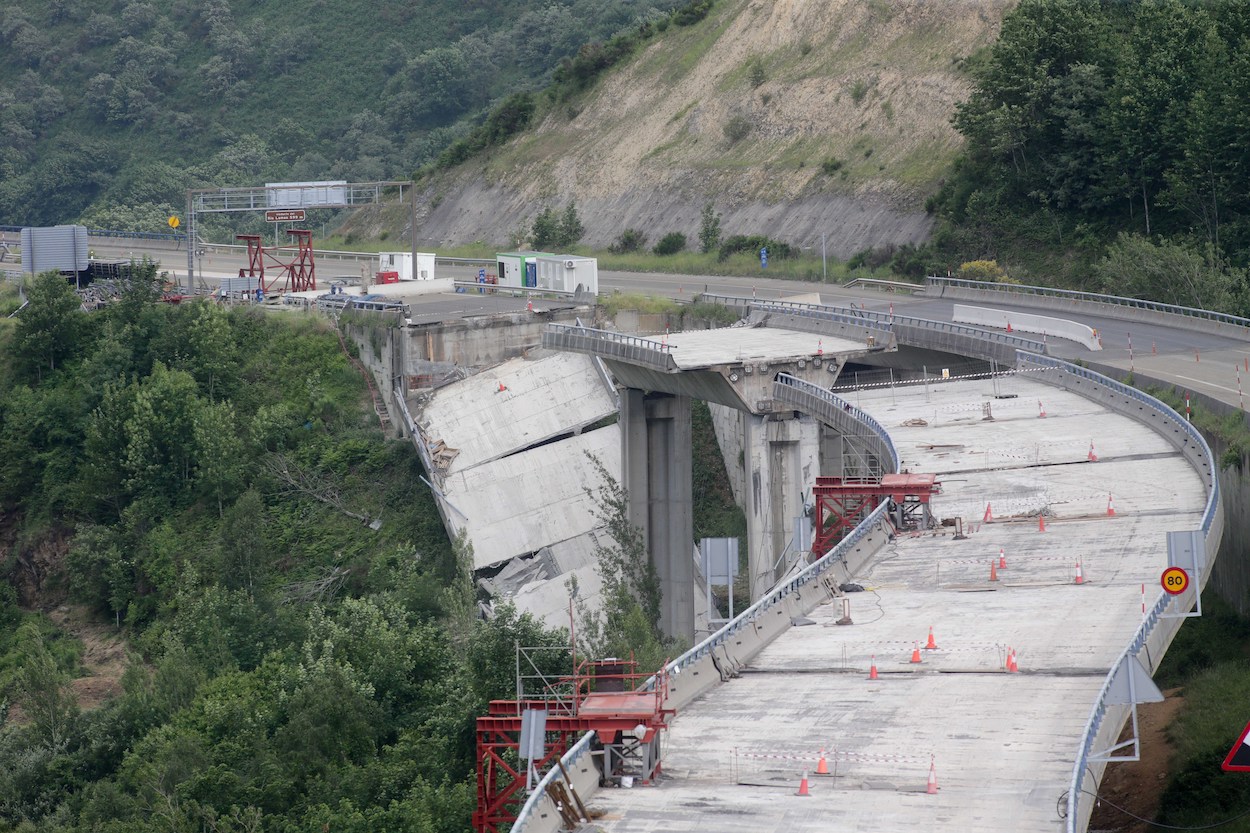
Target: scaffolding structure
600,695
842,502
300,271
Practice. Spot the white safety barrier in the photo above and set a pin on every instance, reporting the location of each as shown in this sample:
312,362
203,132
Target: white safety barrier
1025,322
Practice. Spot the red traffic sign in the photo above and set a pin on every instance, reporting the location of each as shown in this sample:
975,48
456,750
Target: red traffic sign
1174,581
294,215
1238,759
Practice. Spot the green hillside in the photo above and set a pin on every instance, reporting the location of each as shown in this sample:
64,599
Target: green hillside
110,110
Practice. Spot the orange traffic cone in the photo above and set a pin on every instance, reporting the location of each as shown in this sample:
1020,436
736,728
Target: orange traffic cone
803,785
1009,327
529,306
1041,523
1080,576
993,571
932,786
822,766
915,653
820,347
501,388
1012,665
1110,507
1041,410
1091,457
989,515
930,645
872,669
1002,559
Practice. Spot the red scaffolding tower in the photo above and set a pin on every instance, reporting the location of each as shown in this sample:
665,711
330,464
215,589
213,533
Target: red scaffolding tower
841,503
300,271
600,695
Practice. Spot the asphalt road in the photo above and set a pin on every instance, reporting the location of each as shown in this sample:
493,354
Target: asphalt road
1195,360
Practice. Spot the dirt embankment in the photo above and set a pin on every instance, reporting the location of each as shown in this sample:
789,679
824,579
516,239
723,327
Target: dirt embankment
793,118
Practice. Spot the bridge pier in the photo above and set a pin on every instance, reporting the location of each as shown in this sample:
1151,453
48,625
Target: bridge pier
656,466
782,461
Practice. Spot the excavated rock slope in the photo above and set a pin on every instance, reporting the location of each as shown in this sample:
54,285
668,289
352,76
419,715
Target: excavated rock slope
794,117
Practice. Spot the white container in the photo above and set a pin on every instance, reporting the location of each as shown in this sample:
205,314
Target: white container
401,262
568,273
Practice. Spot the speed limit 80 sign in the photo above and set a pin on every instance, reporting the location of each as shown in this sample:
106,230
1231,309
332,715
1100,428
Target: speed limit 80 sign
1174,580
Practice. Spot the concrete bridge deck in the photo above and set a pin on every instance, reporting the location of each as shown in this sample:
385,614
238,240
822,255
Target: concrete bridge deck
1002,744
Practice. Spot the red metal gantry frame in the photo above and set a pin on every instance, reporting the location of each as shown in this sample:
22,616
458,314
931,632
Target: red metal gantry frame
612,712
301,272
842,503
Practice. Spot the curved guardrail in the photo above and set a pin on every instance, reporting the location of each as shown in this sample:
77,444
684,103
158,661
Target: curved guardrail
920,332
835,412
644,351
897,321
1075,298
748,617
1155,629
817,311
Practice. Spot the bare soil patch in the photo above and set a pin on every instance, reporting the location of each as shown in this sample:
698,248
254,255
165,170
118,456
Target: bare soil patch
1137,786
103,658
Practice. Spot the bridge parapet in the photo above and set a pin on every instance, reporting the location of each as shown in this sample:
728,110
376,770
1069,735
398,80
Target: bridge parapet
945,336
644,351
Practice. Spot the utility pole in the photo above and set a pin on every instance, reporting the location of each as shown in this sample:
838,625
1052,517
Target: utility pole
824,267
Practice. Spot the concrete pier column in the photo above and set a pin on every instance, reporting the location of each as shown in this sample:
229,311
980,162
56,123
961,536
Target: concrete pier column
656,466
782,461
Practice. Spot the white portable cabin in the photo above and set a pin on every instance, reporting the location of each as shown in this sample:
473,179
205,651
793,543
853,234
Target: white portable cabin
401,262
568,273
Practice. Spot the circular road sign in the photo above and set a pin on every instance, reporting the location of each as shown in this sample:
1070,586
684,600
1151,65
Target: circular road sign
174,222
1174,580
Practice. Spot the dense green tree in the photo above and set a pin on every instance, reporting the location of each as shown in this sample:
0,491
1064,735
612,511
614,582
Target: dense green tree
1165,271
43,688
709,229
49,329
159,457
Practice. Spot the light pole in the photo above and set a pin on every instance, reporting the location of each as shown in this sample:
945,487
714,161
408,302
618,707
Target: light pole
824,267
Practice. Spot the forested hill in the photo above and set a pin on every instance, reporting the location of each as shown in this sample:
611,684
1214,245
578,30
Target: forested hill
110,109
1107,148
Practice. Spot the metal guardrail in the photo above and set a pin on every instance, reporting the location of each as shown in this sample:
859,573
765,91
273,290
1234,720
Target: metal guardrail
816,311
1140,638
1090,297
137,235
744,619
863,317
896,321
842,409
643,351
888,286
